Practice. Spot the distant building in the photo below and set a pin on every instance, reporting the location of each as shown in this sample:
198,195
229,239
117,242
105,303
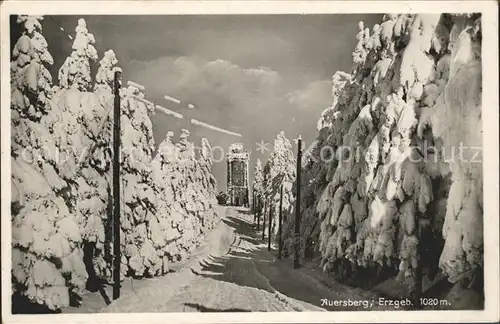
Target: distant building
238,175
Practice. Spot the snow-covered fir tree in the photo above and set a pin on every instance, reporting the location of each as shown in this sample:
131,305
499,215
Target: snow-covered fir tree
258,185
47,262
138,187
282,173
414,95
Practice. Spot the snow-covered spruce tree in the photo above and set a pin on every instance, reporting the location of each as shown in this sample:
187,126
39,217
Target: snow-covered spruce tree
86,118
267,188
187,196
138,192
77,106
200,193
258,185
314,170
207,187
96,167
78,109
106,72
47,263
366,181
186,164
388,182
197,218
282,166
75,72
169,210
458,103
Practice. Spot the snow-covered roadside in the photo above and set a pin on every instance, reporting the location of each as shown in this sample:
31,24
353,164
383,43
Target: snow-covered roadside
133,291
216,243
233,271
235,283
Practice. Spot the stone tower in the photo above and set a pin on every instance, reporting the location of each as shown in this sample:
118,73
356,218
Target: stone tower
238,175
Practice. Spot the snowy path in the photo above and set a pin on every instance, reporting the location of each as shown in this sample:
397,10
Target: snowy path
234,272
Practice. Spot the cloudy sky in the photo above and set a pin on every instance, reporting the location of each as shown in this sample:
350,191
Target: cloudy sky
254,74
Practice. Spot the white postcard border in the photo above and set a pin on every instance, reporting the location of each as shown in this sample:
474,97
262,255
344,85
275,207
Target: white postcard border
489,11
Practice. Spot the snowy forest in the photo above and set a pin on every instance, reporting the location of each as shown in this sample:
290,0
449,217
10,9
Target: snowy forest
61,176
393,185
391,188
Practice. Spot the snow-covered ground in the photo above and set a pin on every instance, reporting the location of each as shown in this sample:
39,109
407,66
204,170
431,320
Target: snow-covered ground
231,271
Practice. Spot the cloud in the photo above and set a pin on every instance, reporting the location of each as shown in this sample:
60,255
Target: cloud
252,74
317,95
230,94
256,102
227,93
